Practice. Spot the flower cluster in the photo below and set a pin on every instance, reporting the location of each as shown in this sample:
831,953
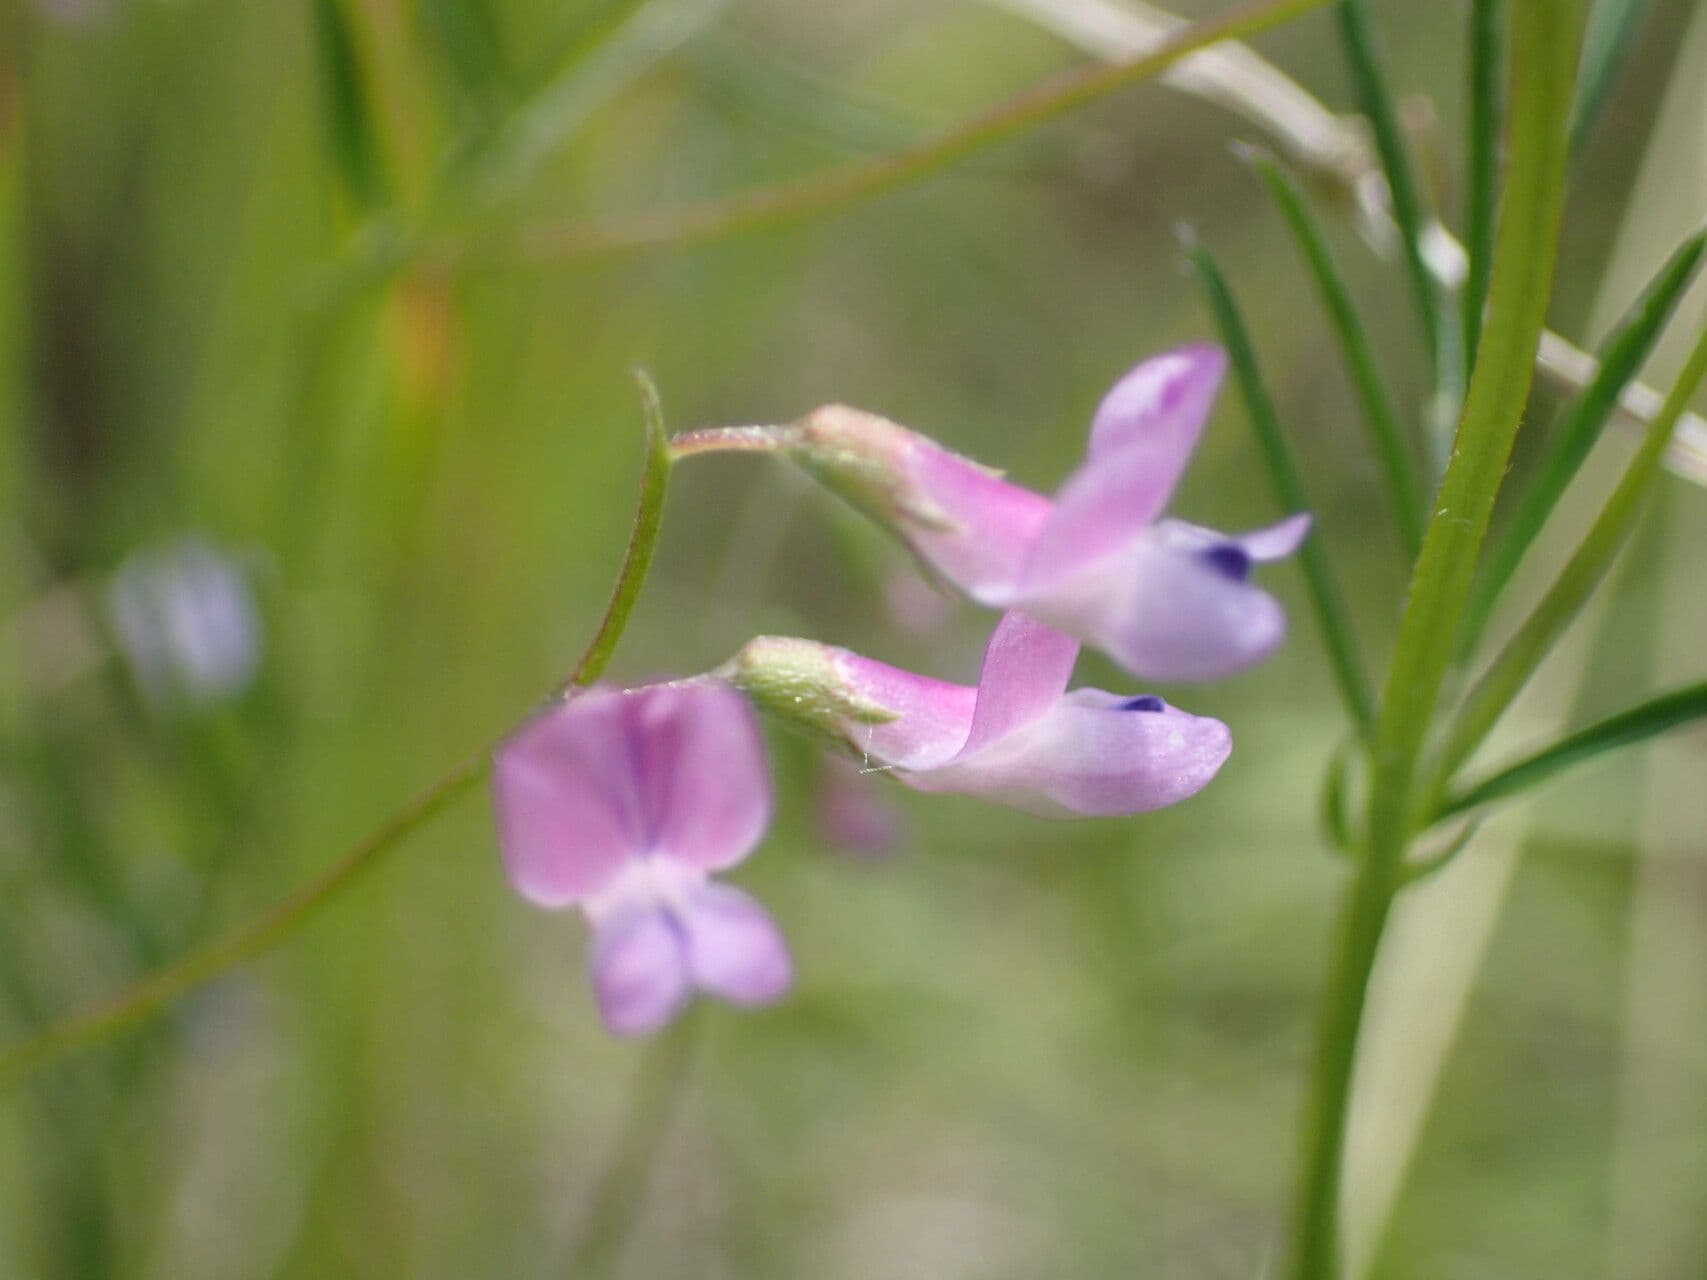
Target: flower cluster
625,802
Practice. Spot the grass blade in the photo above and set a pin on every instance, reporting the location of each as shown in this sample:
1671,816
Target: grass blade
465,37
1607,45
1638,724
1331,615
1511,670
1620,360
1481,185
1369,84
350,134
1397,462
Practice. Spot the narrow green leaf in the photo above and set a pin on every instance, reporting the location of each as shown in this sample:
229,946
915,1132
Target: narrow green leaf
1607,45
1481,184
1398,464
1331,615
1621,359
350,134
1524,652
464,35
1375,100
1638,724
642,542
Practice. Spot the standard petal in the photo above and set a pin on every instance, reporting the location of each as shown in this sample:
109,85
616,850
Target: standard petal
734,949
640,970
1141,440
1166,608
565,790
707,788
1094,754
1026,668
1163,403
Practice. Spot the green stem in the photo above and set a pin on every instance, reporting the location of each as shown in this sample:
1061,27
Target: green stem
152,993
1621,358
1524,652
1543,59
792,200
642,542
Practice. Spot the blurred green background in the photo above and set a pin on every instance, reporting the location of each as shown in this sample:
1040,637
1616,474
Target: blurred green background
1016,1049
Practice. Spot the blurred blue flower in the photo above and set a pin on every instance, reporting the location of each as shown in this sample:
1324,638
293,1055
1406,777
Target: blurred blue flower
184,616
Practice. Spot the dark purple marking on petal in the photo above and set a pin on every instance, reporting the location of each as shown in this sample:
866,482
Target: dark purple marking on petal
1143,702
1230,560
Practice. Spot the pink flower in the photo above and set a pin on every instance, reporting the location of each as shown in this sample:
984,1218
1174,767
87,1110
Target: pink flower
623,803
1019,738
1166,599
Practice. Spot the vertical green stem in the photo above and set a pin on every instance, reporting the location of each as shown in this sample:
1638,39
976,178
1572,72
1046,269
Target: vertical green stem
1543,60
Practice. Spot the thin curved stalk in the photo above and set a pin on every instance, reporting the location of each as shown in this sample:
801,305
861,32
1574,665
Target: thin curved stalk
152,993
1543,62
163,986
792,200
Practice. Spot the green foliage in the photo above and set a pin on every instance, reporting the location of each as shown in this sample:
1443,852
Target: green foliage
1332,618
1398,460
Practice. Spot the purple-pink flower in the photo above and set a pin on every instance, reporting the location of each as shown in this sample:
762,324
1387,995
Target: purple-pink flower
1166,599
1018,738
624,803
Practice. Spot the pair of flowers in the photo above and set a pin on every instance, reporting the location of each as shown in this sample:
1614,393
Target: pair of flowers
626,802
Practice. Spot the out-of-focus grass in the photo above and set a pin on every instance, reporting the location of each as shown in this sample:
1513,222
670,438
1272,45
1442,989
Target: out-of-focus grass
1019,1049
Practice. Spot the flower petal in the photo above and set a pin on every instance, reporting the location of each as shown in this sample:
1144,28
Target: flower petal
1142,438
991,523
1169,607
640,970
1276,541
932,718
566,795
706,784
734,949
1161,403
1026,668
1093,754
